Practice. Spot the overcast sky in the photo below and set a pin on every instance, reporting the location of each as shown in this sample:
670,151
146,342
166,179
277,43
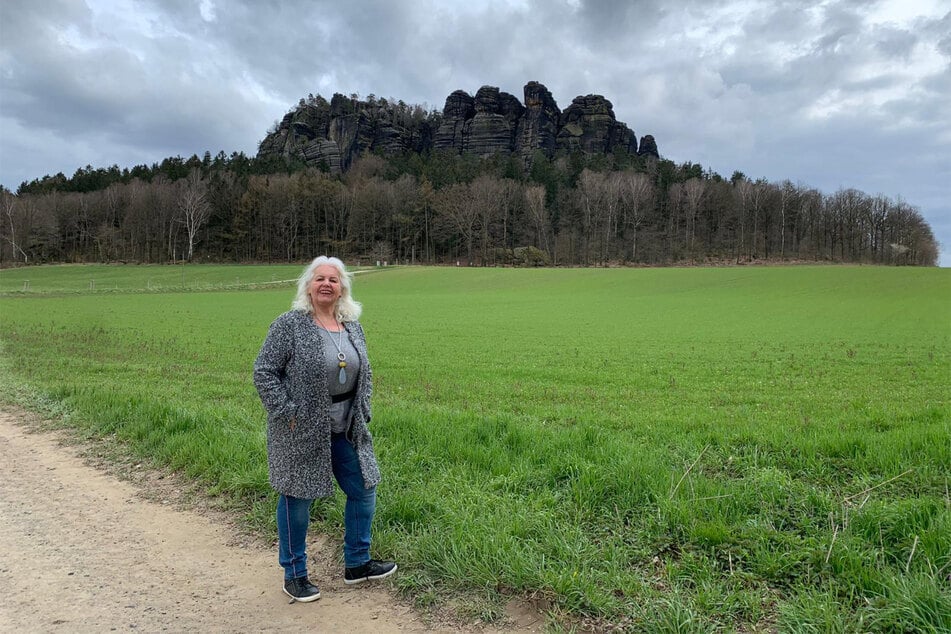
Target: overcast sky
832,94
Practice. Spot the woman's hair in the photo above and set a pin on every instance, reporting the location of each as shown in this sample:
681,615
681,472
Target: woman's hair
346,309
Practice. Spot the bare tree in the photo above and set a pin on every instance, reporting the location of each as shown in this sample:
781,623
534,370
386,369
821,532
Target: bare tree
538,215
637,190
426,196
134,192
611,205
287,216
809,213
759,194
9,210
161,209
510,202
370,212
486,193
877,213
406,221
786,193
112,203
743,192
591,192
194,207
457,204
693,192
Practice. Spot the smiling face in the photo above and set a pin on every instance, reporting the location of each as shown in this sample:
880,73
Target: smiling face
325,288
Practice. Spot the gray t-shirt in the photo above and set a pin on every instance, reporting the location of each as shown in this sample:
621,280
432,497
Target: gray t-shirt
340,412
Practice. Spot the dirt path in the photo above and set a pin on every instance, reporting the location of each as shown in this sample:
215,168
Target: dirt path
83,551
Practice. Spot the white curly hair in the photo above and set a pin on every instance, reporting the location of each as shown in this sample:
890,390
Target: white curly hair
347,309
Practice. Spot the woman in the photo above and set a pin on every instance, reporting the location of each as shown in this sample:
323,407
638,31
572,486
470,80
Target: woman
314,379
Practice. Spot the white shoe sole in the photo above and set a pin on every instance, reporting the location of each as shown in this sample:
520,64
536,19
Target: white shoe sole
302,599
351,582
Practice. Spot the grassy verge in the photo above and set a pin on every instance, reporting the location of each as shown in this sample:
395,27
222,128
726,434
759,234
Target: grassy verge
667,450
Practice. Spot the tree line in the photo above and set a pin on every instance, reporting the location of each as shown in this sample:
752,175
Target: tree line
449,208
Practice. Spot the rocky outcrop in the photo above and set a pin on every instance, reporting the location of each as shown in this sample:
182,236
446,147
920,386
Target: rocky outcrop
459,108
648,147
538,127
333,134
492,129
324,153
589,125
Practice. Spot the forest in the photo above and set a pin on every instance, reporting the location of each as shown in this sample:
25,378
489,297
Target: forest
443,207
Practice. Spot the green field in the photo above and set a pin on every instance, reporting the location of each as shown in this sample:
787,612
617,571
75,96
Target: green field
104,278
682,450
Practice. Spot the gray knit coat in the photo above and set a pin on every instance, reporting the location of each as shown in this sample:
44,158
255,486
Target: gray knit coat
291,377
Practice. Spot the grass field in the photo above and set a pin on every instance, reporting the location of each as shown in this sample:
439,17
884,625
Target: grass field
104,278
681,450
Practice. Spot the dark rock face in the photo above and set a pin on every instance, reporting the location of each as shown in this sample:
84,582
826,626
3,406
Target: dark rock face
334,134
323,151
648,147
589,125
538,127
459,108
492,129
345,131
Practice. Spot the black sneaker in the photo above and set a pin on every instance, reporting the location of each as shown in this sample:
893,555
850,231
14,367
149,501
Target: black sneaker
372,569
301,589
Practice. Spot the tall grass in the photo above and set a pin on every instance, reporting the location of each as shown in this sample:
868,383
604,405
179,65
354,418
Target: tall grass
665,449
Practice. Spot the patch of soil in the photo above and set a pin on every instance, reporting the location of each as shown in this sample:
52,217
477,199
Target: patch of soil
82,550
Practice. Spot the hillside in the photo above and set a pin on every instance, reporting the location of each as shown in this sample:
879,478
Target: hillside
333,134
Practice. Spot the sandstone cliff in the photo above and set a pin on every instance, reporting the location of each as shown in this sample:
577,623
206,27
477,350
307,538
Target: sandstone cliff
331,135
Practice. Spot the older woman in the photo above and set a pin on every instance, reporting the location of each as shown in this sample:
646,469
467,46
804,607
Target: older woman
314,379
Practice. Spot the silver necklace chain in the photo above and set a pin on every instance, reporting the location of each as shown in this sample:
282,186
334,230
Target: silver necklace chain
341,357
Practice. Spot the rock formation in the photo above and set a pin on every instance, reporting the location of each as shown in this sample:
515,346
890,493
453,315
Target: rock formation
332,135
588,124
459,108
648,147
492,129
538,127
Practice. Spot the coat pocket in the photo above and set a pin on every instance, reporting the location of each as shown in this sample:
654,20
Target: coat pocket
284,417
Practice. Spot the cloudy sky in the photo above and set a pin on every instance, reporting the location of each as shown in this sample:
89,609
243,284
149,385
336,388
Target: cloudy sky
832,94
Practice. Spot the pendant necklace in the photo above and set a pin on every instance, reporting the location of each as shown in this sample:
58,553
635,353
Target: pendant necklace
341,357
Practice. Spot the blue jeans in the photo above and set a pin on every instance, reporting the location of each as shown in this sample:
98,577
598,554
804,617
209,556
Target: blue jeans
293,515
